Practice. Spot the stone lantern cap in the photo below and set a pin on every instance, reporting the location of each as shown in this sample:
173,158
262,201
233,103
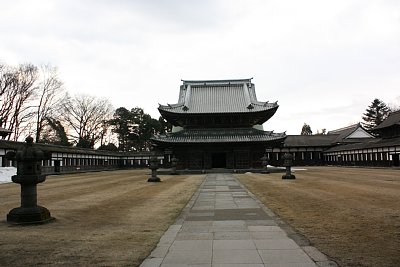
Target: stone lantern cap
4,132
29,159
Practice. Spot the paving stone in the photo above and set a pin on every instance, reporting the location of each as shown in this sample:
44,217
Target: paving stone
229,228
188,257
240,214
229,223
236,256
194,236
209,214
152,262
160,251
261,223
327,264
233,244
285,256
194,223
166,240
186,265
195,245
196,229
314,253
290,265
276,244
267,228
223,235
268,235
238,265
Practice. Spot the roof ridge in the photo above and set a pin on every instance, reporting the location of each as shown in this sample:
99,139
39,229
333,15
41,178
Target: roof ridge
344,128
217,81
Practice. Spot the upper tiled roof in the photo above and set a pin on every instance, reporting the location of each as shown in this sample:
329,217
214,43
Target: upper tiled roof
392,119
219,135
217,96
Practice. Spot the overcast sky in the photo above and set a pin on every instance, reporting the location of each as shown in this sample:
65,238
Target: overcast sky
323,61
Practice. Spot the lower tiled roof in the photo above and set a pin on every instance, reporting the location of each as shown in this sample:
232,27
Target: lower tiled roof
320,140
372,143
218,135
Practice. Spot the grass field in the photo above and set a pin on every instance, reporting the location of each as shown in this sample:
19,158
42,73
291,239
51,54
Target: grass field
102,219
116,218
350,214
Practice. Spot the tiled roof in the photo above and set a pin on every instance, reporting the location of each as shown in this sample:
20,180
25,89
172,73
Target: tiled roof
219,135
392,119
343,134
218,96
372,143
322,140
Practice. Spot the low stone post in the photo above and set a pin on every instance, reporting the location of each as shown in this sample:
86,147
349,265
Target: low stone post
29,174
288,163
174,162
264,163
153,166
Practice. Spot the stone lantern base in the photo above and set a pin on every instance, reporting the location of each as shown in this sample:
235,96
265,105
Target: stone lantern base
31,215
288,176
154,179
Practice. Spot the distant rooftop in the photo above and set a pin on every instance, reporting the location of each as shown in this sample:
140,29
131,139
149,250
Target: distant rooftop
351,133
391,120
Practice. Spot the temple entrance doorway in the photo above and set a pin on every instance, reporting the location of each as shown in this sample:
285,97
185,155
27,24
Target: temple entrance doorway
396,161
218,160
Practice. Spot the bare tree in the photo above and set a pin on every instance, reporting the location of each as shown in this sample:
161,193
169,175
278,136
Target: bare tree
50,93
17,91
86,116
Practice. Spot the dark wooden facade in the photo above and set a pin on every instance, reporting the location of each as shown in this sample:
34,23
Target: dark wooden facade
69,159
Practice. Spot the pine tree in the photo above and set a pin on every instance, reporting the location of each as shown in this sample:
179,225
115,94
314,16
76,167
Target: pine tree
375,114
306,129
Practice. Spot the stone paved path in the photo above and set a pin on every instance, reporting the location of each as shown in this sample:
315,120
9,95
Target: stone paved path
223,225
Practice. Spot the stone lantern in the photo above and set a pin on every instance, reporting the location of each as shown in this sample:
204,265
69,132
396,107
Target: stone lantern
174,162
288,163
4,132
264,163
153,166
29,174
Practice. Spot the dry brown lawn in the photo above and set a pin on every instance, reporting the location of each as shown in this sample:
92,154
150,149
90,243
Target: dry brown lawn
350,214
102,219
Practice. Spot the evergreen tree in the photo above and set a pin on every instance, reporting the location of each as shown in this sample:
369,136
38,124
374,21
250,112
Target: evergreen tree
375,114
306,129
134,128
54,133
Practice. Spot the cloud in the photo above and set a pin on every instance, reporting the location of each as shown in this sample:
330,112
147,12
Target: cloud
319,59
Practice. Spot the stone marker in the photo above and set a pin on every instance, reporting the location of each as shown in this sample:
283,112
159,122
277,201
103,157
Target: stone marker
29,174
264,163
174,162
288,162
153,166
